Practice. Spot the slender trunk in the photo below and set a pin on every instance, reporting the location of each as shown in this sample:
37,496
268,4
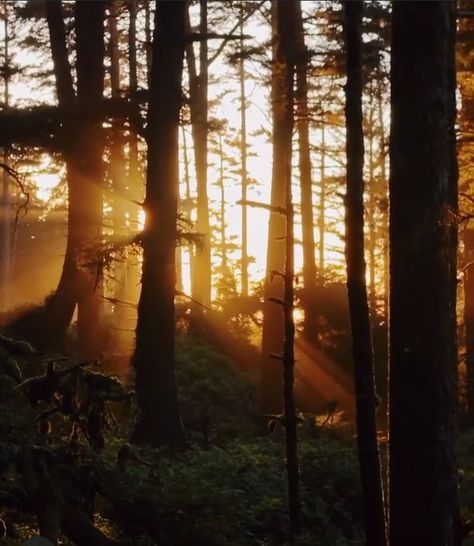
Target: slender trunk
135,178
223,203
148,44
117,170
423,243
243,158
322,206
310,330
383,174
188,201
198,89
154,360
369,462
6,227
282,112
291,436
371,213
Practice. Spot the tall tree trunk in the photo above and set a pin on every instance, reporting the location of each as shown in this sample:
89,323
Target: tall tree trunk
89,163
64,301
322,206
282,112
291,436
372,210
135,177
83,154
243,157
383,174
5,212
423,240
154,360
117,171
223,209
198,89
188,204
369,461
310,329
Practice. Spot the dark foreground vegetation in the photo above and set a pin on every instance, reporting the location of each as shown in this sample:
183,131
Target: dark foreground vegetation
67,467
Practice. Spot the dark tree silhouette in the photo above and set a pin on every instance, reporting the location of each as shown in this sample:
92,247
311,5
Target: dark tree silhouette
369,462
83,155
423,243
306,183
159,422
282,110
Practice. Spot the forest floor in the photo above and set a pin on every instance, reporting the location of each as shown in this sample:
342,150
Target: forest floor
227,488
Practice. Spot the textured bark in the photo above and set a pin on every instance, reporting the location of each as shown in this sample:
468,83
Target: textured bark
159,422
310,327
423,240
363,356
282,111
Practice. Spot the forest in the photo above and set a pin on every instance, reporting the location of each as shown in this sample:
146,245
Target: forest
237,272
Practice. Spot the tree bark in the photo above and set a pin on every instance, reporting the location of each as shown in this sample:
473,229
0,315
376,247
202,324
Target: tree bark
88,164
322,207
84,170
243,157
282,112
5,210
369,461
423,239
310,327
291,436
159,422
198,90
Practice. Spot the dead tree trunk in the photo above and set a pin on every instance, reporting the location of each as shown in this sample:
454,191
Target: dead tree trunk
369,462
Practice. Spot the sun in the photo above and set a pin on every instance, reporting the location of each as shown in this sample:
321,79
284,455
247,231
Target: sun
45,184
